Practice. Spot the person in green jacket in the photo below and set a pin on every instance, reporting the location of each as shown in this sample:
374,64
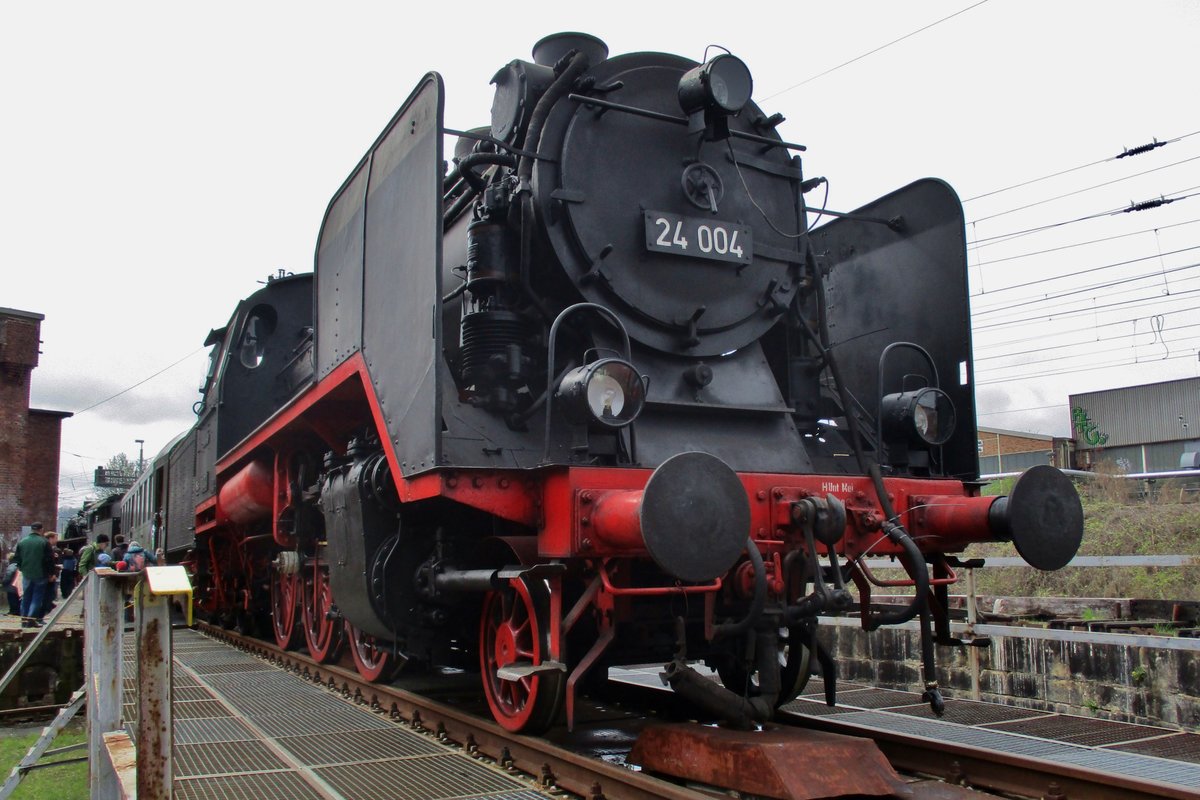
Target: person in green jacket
35,560
87,556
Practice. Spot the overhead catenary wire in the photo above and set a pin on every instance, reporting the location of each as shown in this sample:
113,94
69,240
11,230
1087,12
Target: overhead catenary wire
1099,240
1094,327
1099,339
1081,191
991,309
1025,302
1135,151
1126,362
1079,311
872,52
1019,410
1000,238
1057,312
139,383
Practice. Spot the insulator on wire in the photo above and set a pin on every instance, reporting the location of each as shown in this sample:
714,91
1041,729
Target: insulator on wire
1141,148
1147,204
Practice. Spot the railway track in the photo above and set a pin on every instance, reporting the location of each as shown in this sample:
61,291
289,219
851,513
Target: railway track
585,775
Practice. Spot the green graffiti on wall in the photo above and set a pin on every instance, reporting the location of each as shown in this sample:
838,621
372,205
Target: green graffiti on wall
1087,429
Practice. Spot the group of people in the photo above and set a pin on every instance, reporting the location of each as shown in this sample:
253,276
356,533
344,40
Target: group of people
41,570
38,570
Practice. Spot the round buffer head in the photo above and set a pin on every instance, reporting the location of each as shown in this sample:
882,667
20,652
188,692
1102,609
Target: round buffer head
1045,517
695,516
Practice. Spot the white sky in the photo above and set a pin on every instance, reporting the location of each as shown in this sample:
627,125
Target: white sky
157,160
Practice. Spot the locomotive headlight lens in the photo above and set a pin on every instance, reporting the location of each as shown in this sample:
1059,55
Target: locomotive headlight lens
925,416
608,392
922,421
721,84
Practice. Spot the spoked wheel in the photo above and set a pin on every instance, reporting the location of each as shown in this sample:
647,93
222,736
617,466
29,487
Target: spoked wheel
514,637
793,670
285,609
322,633
373,659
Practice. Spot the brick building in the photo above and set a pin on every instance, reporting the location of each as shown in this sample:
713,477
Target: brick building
29,437
1013,451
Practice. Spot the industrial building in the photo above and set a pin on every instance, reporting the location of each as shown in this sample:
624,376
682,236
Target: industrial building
1154,427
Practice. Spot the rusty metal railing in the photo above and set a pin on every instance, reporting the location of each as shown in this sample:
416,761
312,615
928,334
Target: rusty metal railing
119,767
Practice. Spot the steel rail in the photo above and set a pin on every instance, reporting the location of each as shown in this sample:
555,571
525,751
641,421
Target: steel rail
552,765
590,777
993,771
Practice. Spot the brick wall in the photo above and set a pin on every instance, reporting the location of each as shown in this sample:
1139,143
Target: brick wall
1110,681
42,444
1007,443
29,440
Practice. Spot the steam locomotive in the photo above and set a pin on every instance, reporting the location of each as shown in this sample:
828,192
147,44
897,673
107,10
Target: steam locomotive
594,395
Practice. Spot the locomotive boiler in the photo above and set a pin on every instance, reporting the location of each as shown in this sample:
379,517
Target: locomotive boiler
592,393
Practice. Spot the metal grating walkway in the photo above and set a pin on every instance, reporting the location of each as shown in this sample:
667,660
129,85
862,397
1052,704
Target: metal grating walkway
244,729
1123,748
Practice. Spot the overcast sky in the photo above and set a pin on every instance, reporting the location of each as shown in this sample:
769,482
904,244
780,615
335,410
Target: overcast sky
158,160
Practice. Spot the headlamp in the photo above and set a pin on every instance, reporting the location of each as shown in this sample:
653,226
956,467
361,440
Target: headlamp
608,392
718,88
922,416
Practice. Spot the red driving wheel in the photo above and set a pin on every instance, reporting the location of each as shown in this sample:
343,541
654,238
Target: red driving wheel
322,632
372,658
285,609
514,635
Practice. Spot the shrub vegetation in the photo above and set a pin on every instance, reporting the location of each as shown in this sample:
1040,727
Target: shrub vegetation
1121,518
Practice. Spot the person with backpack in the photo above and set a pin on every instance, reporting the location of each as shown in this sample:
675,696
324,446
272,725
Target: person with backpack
88,555
137,557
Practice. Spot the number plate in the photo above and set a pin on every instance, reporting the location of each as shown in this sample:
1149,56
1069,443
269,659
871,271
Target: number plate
698,237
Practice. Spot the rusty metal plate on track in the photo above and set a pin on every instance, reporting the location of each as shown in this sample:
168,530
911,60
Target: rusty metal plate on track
225,758
1081,730
259,786
877,698
424,778
200,731
816,708
1179,747
353,746
772,762
200,709
968,712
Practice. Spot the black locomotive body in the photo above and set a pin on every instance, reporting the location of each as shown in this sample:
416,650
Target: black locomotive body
595,395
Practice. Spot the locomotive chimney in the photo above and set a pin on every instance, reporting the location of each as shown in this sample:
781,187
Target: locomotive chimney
551,48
